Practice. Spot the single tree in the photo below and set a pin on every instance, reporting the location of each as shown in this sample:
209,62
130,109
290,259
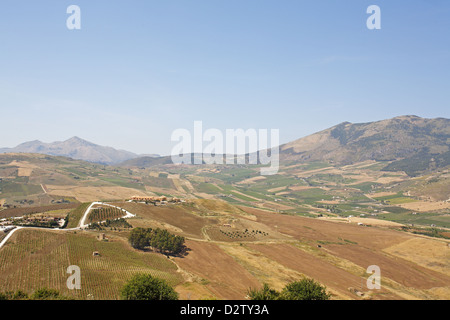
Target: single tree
305,289
266,293
146,287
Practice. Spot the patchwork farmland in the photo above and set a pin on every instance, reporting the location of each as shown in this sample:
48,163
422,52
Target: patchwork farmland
242,230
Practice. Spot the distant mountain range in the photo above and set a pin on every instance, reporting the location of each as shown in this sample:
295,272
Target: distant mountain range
75,148
410,143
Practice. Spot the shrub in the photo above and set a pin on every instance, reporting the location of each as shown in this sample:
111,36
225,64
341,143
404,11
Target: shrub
20,295
45,294
305,289
146,287
266,293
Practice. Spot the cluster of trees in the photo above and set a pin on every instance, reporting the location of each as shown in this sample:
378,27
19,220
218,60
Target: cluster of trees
159,239
147,287
305,289
40,224
332,208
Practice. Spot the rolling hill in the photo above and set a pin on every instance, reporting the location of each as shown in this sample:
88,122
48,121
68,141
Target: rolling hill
407,143
387,140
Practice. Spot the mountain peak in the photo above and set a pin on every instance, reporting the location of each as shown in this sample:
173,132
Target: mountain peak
78,141
407,117
75,138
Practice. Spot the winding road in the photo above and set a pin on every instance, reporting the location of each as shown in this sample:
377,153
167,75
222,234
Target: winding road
81,225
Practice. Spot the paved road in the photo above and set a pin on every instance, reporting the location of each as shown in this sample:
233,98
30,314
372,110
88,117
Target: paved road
83,225
10,233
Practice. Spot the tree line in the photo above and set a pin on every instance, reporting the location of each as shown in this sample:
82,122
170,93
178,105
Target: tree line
159,239
147,287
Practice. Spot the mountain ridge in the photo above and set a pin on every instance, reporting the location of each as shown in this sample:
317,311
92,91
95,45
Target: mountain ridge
410,143
75,148
385,140
402,140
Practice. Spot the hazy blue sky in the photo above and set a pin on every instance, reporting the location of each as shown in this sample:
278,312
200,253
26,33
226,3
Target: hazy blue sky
137,70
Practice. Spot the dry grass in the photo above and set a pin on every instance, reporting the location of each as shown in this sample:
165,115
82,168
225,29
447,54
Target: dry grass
224,277
175,216
90,194
428,253
380,194
194,291
264,269
24,172
336,279
252,180
425,206
366,221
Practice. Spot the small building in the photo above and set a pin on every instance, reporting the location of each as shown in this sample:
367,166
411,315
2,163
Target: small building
95,254
101,236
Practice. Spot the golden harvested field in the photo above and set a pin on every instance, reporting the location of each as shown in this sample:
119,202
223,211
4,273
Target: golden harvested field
252,180
366,221
424,206
91,194
24,172
380,194
429,253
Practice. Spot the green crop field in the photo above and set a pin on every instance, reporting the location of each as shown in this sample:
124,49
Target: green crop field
102,214
76,214
207,188
122,182
9,188
34,259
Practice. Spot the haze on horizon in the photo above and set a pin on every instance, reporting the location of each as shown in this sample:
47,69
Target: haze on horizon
136,72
